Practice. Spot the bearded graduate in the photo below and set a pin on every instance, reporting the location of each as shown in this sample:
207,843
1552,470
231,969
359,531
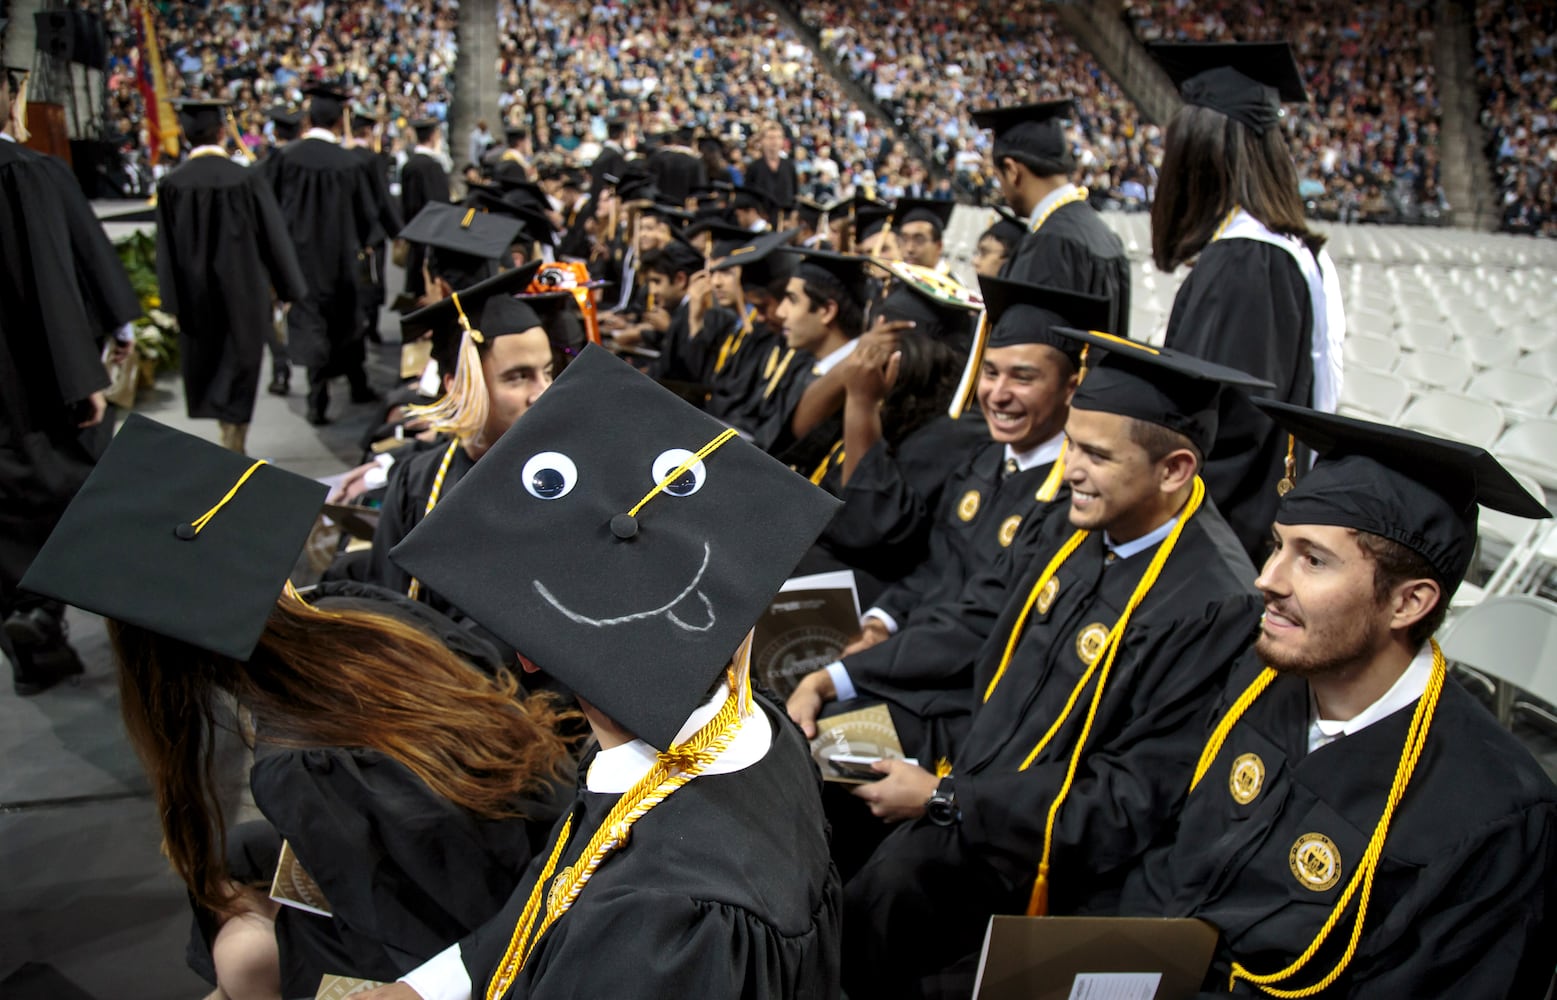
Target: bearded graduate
627,551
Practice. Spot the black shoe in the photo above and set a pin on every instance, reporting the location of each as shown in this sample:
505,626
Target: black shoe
317,416
280,383
34,627
365,393
41,669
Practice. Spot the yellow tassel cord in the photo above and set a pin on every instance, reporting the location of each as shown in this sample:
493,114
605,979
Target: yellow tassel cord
735,341
708,449
672,769
1080,194
1038,904
415,590
967,387
835,455
463,410
200,522
1362,878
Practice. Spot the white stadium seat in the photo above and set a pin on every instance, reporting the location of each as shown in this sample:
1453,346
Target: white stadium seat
1531,446
1434,370
1373,395
1451,415
1373,353
1524,392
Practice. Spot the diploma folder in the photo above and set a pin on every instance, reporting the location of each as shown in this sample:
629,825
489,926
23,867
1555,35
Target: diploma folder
1057,958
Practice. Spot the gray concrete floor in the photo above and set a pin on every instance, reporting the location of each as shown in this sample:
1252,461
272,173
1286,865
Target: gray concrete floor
88,906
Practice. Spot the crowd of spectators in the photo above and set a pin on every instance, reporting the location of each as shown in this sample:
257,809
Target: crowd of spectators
396,56
1367,147
570,68
1516,69
929,62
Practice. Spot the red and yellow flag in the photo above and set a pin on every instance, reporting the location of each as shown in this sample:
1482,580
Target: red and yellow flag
161,124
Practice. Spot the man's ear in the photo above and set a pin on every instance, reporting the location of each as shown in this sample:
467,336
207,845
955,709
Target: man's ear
1177,470
1412,601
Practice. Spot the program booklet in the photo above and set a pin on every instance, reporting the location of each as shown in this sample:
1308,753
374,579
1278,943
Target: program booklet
847,743
339,987
809,622
1093,958
293,886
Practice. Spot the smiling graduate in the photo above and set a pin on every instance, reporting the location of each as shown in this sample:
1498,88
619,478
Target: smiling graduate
627,550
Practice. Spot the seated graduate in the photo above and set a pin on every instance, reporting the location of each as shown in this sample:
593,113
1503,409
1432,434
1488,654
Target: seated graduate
462,247
998,244
1090,673
748,279
668,272
921,224
400,775
628,550
1356,820
499,368
1026,375
888,450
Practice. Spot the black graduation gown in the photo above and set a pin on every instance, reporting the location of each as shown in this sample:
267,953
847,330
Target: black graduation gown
785,379
1245,305
62,291
1075,249
724,890
780,184
736,392
407,872
405,504
328,206
386,223
883,529
611,161
681,357
976,517
222,246
1173,660
1463,904
677,172
422,182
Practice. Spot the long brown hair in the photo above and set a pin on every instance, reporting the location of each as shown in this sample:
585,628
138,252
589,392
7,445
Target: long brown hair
1211,163
327,679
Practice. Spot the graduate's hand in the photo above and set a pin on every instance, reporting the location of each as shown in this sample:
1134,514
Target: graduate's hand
700,294
394,991
886,331
95,405
814,690
870,371
628,336
873,633
902,794
611,321
658,318
120,351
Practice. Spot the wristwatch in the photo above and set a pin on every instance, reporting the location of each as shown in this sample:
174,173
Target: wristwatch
942,808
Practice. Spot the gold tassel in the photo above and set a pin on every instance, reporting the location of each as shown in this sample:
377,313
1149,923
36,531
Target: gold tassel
1038,903
463,410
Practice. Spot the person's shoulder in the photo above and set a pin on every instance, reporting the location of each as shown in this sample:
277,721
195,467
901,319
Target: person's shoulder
1080,223
1209,563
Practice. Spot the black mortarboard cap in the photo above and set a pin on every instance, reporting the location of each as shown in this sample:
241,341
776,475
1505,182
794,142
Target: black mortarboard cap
494,293
639,613
1156,384
201,116
361,120
135,544
870,218
936,213
326,95
535,223
468,231
846,269
423,126
809,211
1034,132
750,197
1021,313
726,236
680,255
513,133
1246,81
673,216
759,265
1414,489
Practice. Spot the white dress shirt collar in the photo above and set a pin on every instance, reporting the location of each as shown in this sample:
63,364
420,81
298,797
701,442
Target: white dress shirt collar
616,770
827,364
1124,550
322,133
1044,454
1408,687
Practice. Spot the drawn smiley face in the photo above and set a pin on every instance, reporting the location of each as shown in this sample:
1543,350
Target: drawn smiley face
620,539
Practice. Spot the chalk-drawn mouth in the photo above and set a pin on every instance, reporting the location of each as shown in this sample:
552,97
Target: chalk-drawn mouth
666,609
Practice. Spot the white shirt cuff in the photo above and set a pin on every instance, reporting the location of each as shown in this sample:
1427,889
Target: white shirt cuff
442,977
882,617
126,333
843,686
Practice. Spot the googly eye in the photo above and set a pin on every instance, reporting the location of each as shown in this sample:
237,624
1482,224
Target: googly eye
689,482
550,475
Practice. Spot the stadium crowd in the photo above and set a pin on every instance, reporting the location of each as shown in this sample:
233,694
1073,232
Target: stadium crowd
571,68
1516,68
1367,146
928,64
398,56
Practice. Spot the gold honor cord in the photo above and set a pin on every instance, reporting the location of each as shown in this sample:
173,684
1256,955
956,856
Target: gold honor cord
199,523
820,472
734,341
672,769
1080,194
1362,878
726,436
777,374
415,590
1039,901
1056,477
1038,904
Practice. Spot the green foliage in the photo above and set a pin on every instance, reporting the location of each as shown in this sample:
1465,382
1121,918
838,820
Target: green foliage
156,332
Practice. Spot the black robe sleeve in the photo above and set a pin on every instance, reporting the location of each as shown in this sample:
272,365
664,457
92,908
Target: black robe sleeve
1245,305
397,517
276,251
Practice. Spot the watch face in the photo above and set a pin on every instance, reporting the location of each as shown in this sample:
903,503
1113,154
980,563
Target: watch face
941,809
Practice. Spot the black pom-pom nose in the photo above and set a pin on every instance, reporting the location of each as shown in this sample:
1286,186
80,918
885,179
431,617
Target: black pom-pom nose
624,526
